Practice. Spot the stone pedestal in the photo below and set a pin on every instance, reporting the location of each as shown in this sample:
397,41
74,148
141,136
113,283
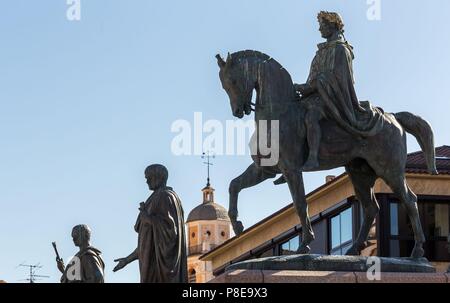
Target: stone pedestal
331,269
329,263
299,276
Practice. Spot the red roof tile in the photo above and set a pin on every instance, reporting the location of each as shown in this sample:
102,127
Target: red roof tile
415,162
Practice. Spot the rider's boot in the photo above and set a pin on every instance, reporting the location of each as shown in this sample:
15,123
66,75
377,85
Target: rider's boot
313,136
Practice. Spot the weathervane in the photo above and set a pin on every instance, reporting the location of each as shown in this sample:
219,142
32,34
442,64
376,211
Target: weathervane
208,163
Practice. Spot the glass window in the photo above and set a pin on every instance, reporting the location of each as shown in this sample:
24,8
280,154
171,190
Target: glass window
435,218
335,231
346,226
394,219
294,243
341,232
290,247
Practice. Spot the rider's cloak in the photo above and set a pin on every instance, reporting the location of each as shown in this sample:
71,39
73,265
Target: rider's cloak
332,75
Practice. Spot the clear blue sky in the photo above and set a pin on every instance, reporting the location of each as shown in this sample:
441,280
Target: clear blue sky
86,105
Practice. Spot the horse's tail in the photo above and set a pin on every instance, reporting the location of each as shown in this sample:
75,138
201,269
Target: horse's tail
423,132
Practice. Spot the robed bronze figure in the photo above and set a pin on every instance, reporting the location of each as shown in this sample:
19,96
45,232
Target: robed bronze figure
87,265
161,249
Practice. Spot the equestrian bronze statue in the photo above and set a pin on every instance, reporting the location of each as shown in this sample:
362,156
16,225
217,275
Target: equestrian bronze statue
322,125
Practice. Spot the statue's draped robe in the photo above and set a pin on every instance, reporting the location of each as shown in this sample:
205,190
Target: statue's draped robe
161,241
91,264
332,75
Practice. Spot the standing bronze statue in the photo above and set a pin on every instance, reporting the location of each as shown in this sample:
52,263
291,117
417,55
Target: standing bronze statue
87,266
161,249
328,128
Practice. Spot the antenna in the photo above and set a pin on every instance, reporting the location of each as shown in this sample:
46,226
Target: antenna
208,163
33,277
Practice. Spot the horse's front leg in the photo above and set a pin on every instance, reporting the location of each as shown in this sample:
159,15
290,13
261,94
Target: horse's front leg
294,179
252,176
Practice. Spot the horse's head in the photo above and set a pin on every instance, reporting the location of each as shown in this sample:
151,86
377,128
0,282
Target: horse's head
238,82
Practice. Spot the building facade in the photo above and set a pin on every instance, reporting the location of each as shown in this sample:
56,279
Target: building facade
336,217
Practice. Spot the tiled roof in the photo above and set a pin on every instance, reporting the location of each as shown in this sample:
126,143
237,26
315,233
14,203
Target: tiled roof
416,161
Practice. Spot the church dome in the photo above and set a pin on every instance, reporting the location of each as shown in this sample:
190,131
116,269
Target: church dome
208,210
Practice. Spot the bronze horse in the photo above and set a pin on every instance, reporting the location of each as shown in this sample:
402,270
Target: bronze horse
365,159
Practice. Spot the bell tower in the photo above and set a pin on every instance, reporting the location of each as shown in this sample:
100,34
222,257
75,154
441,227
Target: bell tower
208,226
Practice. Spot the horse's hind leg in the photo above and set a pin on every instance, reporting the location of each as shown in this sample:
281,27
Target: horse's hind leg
401,189
363,178
252,176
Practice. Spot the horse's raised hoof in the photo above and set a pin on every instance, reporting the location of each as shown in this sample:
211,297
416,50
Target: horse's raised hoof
303,249
238,228
417,252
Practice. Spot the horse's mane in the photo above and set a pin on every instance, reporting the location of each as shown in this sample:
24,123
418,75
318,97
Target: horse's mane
259,55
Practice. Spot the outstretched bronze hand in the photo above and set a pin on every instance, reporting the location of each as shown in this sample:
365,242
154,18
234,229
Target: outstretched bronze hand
122,263
125,261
